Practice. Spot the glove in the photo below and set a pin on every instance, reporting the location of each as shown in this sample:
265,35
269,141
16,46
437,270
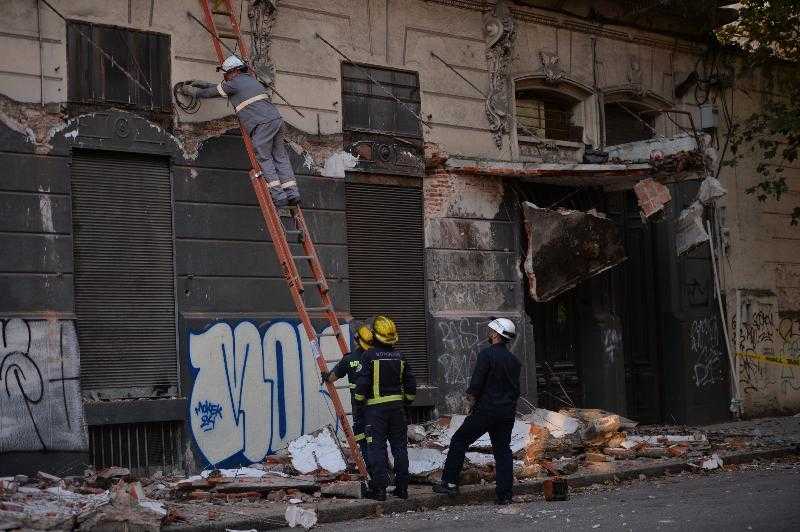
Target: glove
200,84
188,90
325,376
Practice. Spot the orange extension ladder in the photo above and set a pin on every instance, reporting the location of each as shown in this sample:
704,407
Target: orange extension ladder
278,232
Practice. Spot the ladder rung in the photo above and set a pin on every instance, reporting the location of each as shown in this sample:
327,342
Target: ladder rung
330,334
224,13
232,36
306,257
317,309
293,231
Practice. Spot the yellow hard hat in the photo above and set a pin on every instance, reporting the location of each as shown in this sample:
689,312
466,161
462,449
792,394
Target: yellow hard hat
364,337
385,330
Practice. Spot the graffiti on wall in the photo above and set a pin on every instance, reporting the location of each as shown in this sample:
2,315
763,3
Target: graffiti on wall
458,342
254,389
40,404
768,348
705,345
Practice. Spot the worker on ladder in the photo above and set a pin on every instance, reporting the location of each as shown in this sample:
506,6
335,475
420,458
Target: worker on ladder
350,365
386,385
262,121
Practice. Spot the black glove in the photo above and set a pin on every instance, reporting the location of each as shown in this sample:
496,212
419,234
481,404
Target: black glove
325,376
188,90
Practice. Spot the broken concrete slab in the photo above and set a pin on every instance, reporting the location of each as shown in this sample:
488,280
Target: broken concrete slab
566,247
266,484
343,488
652,197
557,424
319,450
650,149
422,461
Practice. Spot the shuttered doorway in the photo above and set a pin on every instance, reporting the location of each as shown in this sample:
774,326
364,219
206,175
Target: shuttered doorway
124,274
385,255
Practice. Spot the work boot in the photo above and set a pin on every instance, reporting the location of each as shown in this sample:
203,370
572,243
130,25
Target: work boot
400,493
377,494
446,489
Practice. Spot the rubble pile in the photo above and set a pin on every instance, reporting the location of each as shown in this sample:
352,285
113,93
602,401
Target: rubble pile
547,443
96,499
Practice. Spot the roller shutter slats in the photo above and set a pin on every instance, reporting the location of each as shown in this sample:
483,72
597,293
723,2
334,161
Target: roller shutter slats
124,270
386,261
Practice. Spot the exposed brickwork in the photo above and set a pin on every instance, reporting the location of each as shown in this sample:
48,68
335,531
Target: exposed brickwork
444,190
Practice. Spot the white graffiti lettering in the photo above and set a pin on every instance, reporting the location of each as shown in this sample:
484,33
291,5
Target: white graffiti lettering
254,390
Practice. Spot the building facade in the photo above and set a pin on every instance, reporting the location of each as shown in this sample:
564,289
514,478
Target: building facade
145,321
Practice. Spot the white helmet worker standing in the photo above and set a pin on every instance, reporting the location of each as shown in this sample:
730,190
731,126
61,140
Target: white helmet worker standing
493,392
504,327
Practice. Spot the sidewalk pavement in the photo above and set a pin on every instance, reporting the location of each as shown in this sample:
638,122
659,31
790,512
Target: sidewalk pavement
745,441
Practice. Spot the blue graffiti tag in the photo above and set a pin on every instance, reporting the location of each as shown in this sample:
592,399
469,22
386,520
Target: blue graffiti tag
209,413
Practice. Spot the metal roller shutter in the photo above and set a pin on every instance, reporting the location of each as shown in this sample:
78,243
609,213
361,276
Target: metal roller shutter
124,273
385,243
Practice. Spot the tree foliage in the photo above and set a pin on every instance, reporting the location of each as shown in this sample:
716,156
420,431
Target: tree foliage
767,39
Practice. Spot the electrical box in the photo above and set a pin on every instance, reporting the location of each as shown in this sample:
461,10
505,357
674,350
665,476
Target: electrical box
709,116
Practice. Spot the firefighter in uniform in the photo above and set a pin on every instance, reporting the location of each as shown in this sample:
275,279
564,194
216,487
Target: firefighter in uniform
386,384
350,365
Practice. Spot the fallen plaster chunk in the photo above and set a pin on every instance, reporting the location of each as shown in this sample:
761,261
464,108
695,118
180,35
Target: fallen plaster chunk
710,190
338,163
480,459
422,461
297,516
314,451
632,441
652,196
416,433
153,506
689,230
519,435
559,425
566,247
714,462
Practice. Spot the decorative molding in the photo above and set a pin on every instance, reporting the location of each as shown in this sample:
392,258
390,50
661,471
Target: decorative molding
498,27
551,66
634,76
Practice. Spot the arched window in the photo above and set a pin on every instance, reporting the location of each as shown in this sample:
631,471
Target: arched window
547,115
628,122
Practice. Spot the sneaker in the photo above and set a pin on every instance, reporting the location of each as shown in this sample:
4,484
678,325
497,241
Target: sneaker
401,493
445,489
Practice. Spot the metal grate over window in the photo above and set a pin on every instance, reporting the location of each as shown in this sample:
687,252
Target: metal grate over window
141,447
386,263
368,107
93,79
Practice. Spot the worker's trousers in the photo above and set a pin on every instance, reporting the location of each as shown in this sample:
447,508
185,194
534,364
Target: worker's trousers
274,159
476,425
387,422
358,430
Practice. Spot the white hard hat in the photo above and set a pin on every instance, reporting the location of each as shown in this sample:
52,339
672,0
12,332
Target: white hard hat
504,327
231,63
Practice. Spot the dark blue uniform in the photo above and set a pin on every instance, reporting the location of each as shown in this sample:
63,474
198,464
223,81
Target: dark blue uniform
350,365
495,387
386,384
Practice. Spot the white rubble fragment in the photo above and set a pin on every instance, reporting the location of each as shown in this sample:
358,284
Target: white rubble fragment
295,515
234,473
632,441
234,530
480,459
559,425
519,435
422,461
311,452
336,164
416,433
154,506
714,462
64,494
295,501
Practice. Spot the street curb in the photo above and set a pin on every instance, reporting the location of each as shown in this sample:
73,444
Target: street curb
422,498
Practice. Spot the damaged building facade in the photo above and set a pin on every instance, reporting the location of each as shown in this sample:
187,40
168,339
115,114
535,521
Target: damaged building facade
540,161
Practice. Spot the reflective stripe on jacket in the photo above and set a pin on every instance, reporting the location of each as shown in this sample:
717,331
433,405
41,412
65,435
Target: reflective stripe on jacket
385,378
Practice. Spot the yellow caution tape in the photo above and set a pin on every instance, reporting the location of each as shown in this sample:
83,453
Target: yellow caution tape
775,359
